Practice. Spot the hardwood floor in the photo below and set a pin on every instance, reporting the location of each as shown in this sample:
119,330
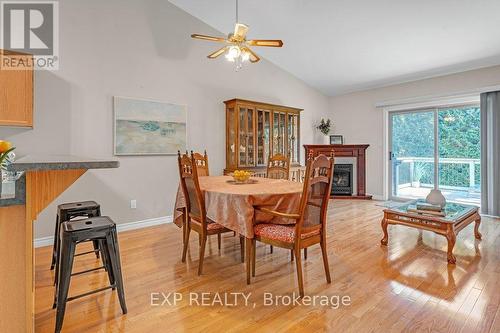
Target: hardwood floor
405,287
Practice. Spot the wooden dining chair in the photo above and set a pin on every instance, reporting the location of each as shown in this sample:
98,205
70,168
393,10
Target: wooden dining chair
278,167
196,215
202,168
310,220
201,163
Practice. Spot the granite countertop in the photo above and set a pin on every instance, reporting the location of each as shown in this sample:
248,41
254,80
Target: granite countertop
15,194
60,162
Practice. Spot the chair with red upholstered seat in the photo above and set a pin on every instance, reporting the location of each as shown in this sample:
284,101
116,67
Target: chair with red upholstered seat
310,220
196,216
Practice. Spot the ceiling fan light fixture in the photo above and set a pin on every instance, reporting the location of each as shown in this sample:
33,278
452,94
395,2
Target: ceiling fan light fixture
233,52
237,49
245,56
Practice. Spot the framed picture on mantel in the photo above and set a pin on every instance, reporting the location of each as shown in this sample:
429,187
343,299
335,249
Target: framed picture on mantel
336,139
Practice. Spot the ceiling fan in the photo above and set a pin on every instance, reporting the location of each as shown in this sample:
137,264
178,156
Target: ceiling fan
237,48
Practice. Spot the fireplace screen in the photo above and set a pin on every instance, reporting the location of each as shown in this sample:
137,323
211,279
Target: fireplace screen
342,179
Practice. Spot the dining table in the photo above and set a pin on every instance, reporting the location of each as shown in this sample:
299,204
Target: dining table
231,204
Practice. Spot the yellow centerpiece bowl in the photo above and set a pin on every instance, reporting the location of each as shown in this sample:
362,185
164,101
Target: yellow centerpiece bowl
241,176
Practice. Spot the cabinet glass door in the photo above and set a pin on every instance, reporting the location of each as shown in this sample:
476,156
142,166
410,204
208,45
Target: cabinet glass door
278,133
292,137
246,137
263,136
283,134
242,136
231,134
250,138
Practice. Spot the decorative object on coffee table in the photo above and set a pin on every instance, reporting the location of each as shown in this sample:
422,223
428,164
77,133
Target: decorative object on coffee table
457,217
435,197
336,139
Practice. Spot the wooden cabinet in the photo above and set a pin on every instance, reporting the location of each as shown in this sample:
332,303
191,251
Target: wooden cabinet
256,130
16,93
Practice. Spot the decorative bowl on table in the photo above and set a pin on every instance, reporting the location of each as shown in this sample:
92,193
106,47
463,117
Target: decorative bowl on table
241,176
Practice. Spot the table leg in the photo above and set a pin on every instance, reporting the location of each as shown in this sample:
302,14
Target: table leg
477,234
184,225
384,223
248,248
451,237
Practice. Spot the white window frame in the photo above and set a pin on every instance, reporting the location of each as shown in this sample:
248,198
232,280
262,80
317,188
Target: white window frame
401,106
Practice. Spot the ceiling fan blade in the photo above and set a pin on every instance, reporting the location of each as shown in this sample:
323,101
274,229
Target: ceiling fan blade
253,56
240,30
210,38
266,42
217,53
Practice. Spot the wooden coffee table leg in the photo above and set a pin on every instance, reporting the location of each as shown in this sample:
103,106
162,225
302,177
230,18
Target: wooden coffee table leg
477,234
451,237
384,240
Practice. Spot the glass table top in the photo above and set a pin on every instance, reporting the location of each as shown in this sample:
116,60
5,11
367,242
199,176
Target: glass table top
453,211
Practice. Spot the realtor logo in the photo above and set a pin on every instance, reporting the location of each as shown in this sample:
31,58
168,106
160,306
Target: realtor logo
32,28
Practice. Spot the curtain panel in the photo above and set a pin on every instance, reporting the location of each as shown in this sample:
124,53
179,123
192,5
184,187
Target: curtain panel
490,153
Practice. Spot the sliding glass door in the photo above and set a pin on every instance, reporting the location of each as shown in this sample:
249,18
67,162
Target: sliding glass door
448,138
412,154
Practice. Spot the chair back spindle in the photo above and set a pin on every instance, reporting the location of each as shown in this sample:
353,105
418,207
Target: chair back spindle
201,162
278,167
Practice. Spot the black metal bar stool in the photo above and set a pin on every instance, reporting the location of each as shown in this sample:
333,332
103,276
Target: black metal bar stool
103,230
68,212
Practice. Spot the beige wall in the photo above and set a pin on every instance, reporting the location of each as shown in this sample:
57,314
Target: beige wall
141,49
356,117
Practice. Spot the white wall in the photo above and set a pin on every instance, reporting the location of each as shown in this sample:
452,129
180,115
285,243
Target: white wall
141,49
356,117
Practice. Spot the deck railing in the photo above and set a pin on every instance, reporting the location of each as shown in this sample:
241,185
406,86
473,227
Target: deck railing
455,177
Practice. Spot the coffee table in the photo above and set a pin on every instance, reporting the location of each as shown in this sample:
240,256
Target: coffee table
457,217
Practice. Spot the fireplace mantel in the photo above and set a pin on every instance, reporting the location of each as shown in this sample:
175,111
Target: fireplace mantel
356,151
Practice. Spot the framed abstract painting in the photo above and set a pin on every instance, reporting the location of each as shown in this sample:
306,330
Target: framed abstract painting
145,127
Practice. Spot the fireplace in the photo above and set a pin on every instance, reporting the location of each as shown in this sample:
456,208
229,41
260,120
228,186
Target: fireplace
358,173
342,179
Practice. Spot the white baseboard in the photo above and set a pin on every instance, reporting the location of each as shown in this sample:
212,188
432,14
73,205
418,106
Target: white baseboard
43,241
46,241
378,197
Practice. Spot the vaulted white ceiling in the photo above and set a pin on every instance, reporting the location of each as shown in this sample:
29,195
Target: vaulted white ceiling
340,46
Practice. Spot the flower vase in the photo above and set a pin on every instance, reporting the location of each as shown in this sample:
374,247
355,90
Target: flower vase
435,197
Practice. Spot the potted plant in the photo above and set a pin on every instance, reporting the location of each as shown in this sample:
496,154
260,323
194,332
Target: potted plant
419,170
324,127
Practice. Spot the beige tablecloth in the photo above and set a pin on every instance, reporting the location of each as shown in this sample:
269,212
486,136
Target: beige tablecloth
232,205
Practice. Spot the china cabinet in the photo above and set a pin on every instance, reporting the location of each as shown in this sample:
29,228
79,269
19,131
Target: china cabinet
256,130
